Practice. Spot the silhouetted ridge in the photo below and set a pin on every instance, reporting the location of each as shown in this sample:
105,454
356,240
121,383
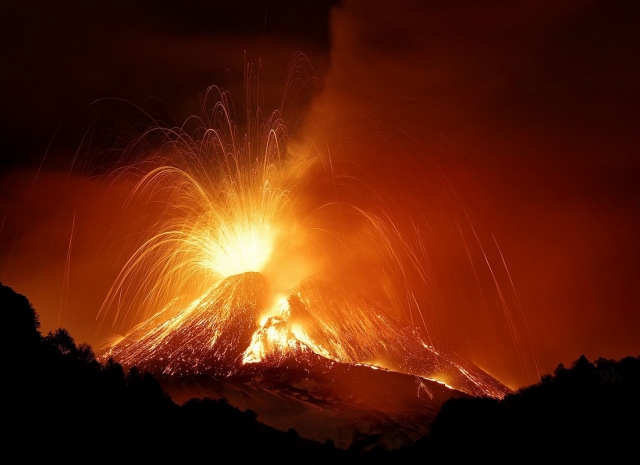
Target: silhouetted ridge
589,410
20,316
62,403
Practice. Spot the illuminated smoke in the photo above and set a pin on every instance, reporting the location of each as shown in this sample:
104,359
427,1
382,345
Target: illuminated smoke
268,248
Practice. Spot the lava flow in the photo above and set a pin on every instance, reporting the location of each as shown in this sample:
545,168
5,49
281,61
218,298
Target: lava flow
239,270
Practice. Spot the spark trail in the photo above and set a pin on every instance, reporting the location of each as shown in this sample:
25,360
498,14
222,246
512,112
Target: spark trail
250,261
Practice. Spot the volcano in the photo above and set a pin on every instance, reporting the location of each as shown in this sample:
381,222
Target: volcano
330,364
208,337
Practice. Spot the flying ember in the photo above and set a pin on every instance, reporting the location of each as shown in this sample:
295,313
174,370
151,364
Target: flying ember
251,262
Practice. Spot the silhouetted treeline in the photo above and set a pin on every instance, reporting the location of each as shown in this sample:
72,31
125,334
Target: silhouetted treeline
63,404
590,411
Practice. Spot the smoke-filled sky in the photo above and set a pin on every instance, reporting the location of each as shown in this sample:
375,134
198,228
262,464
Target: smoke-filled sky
522,117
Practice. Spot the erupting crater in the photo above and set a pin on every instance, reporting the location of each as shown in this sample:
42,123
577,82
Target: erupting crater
250,285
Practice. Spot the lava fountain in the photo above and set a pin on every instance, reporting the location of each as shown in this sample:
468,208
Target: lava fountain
241,268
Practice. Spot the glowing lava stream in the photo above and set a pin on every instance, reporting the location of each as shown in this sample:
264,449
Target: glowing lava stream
219,334
238,228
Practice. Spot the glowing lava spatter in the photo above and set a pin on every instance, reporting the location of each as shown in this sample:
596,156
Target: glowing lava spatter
228,209
230,276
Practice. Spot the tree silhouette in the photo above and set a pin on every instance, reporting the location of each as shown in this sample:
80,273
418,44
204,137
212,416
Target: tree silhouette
62,400
585,411
21,319
65,403
62,341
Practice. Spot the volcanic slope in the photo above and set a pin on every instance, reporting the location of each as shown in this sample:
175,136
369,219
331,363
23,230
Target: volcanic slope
355,406
328,364
220,333
209,336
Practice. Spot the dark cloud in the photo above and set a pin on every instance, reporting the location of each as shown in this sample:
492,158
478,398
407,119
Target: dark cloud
60,58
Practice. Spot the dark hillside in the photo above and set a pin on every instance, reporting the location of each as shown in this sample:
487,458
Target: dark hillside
61,402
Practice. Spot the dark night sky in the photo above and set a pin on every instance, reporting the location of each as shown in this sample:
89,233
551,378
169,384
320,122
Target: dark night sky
531,106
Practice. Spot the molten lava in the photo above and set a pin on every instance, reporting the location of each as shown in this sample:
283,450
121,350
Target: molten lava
209,336
219,334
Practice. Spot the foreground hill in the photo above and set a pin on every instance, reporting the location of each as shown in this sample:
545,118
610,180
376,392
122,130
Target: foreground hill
588,410
61,402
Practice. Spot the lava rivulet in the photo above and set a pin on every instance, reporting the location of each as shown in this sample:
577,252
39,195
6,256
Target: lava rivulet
242,267
219,334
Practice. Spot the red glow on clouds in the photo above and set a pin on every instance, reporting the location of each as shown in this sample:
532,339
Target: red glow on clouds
495,136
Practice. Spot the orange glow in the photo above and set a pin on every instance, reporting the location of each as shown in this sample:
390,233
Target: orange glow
468,169
266,251
228,211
